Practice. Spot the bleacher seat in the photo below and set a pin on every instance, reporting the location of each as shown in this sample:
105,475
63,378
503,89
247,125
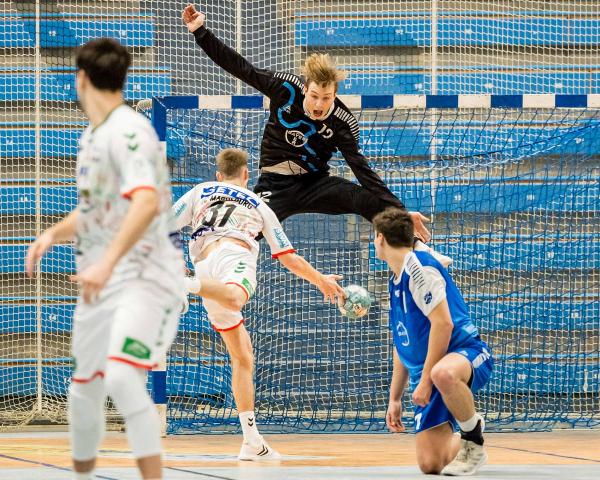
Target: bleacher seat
71,30
523,255
400,80
58,84
468,28
396,139
500,196
536,313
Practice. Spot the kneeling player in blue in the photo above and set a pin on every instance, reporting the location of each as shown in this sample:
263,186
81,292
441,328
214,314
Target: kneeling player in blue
437,347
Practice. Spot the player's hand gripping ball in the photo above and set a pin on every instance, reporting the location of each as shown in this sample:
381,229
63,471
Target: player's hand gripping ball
357,302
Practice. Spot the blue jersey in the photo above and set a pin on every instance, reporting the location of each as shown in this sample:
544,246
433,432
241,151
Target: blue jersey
422,285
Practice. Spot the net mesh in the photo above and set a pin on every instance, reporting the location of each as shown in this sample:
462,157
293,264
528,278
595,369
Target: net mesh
514,198
462,46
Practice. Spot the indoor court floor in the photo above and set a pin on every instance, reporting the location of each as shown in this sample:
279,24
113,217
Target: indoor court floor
565,455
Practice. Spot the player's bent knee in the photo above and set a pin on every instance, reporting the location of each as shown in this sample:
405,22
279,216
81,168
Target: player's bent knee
431,466
125,384
443,378
236,298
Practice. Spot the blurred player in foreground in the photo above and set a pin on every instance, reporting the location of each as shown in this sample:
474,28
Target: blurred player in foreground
226,218
437,347
130,273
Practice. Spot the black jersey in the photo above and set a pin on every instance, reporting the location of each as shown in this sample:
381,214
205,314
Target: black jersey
290,135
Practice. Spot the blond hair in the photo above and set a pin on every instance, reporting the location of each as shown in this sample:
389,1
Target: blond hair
321,69
231,162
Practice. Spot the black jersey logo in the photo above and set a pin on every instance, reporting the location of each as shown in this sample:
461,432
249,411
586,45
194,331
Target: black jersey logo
295,138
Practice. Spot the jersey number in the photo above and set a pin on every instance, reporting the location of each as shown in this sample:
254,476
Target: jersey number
418,420
211,217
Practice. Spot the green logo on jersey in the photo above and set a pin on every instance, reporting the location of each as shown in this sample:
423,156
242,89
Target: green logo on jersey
133,147
136,349
248,286
240,267
130,136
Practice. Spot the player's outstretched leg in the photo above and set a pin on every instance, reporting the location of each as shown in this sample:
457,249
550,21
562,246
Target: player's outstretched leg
239,346
126,385
452,376
86,424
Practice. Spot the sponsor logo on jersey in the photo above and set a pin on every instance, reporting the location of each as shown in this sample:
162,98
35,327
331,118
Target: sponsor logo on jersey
295,138
229,192
402,334
282,240
427,298
136,349
240,267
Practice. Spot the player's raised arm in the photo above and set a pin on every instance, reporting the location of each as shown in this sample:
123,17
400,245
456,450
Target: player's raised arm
226,57
283,251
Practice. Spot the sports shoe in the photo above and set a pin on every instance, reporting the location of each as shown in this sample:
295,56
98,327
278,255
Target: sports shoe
445,260
258,452
470,458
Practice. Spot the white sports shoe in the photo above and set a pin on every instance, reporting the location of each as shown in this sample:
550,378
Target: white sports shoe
443,259
470,458
258,452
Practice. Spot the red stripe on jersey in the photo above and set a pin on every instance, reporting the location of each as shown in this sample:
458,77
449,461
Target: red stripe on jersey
279,254
135,364
87,380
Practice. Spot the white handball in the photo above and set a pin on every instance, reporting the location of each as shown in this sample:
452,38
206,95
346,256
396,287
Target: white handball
357,302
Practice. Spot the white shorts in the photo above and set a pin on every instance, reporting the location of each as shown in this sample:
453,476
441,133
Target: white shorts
133,322
232,264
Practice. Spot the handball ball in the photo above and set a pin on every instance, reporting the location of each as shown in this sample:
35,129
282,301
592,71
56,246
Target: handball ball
357,303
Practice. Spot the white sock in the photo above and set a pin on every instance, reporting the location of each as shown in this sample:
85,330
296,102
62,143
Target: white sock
470,424
84,476
249,428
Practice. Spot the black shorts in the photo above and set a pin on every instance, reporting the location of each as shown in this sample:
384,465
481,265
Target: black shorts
288,195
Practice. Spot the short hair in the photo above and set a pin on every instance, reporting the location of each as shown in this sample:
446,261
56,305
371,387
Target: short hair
231,161
396,226
105,61
321,69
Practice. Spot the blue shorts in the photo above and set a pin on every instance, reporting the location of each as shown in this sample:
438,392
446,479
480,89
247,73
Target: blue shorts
435,412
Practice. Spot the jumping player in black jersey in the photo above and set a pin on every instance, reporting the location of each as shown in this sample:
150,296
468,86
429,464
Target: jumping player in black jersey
307,124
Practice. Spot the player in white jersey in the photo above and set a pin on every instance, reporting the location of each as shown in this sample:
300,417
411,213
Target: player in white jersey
130,272
225,219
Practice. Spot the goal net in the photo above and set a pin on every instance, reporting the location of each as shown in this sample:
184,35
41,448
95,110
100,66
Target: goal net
514,198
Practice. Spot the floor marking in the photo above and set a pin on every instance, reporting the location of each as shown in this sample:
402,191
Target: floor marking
218,477
49,465
545,453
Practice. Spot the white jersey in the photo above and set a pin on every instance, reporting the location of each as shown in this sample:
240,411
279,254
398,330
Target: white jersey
217,210
116,158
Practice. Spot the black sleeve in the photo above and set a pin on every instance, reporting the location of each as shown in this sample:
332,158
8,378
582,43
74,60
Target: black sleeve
348,146
232,62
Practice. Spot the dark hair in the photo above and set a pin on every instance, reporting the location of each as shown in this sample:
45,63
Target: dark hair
396,226
105,61
231,161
